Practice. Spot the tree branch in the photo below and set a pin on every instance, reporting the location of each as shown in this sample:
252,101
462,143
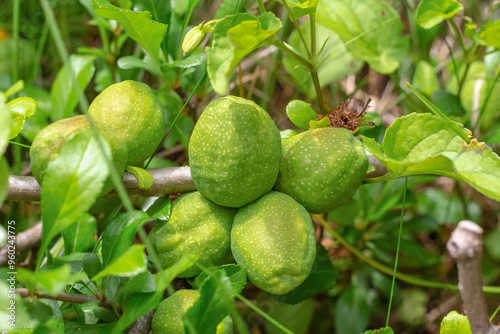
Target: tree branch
143,324
465,246
25,240
166,180
65,297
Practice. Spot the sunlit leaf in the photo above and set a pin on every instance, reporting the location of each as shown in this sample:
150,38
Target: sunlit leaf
138,25
132,262
423,144
51,280
233,38
72,183
63,94
5,124
371,31
300,113
455,323
20,109
143,177
301,8
14,89
490,34
432,12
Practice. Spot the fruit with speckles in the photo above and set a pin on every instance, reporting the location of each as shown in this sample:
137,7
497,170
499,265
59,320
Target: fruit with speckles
168,315
196,226
322,168
234,152
273,239
50,140
133,110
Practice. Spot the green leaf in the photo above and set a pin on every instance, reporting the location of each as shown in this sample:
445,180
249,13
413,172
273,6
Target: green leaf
143,177
301,8
5,125
137,25
14,89
297,318
229,7
132,62
385,330
79,237
91,264
20,109
215,303
371,31
424,144
120,234
322,123
195,58
160,209
322,278
300,113
351,311
63,94
425,78
233,38
432,12
71,185
132,262
335,61
455,323
50,280
236,274
490,34
4,179
141,303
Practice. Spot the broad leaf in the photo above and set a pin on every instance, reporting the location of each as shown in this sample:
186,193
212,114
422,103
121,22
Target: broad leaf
138,25
160,209
229,7
371,31
297,318
132,262
63,94
215,303
423,144
81,236
143,177
236,274
20,109
120,234
351,311
50,280
301,8
322,278
71,185
490,34
425,78
385,330
432,12
5,124
131,62
300,113
455,323
233,38
4,179
141,303
91,264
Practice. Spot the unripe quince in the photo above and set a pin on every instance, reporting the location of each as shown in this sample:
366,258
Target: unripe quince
234,152
168,315
133,110
50,140
273,239
196,226
322,168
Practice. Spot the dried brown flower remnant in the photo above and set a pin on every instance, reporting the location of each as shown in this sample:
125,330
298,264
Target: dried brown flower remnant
343,117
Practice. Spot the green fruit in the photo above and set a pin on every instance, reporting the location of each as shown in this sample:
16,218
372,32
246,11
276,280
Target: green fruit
133,110
168,315
322,168
50,140
273,239
196,226
234,152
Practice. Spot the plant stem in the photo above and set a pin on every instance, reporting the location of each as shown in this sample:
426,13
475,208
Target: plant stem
262,8
458,34
280,45
263,314
397,252
15,39
18,144
389,271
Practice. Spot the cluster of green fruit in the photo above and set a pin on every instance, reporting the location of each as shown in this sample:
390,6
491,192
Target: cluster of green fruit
237,157
128,115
